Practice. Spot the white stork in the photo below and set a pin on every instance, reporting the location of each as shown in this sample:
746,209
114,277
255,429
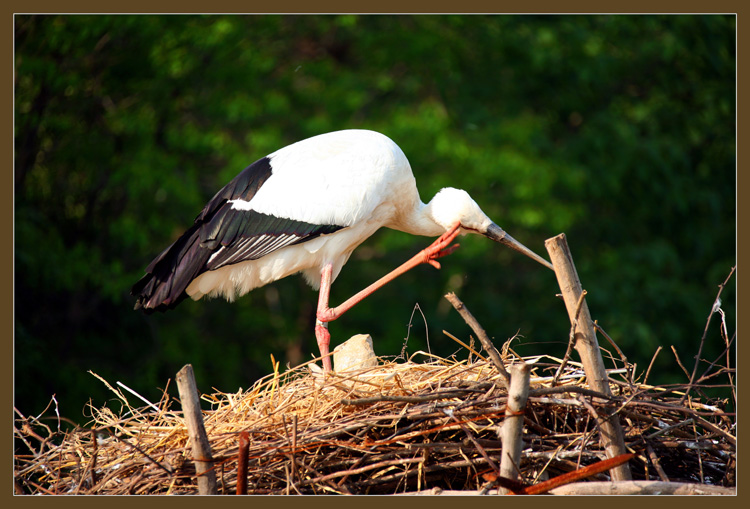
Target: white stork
305,208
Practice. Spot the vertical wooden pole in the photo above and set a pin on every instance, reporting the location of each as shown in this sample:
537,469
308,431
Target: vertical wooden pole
242,463
512,432
587,346
191,409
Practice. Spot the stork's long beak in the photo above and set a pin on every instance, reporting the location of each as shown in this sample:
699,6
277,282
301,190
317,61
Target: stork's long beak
497,234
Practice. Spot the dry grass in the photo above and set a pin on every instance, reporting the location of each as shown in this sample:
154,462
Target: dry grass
399,427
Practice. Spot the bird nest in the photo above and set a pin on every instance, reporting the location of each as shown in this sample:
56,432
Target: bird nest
398,427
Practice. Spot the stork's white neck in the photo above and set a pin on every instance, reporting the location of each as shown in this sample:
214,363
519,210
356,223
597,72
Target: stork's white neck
420,221
444,210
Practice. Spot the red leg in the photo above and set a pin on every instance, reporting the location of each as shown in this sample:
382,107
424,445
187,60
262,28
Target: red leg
321,327
324,340
325,314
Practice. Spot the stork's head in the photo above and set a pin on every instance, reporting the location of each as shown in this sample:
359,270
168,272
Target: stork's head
455,205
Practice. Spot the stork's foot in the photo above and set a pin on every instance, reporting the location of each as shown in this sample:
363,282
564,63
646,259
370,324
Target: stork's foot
440,248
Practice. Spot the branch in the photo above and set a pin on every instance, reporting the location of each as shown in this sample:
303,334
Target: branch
481,334
716,305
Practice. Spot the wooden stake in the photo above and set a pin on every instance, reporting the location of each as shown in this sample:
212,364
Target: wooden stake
513,424
242,463
191,409
587,346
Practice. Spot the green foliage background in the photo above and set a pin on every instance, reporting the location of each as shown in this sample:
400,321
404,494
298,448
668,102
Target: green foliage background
617,130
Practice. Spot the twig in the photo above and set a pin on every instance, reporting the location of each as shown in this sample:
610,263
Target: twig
294,447
481,334
469,348
705,376
578,475
715,429
145,455
563,389
95,446
716,304
655,461
623,358
131,391
571,338
407,399
478,446
700,456
651,364
367,468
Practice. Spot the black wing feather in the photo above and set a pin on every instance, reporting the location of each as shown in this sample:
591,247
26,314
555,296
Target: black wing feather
221,235
249,235
243,186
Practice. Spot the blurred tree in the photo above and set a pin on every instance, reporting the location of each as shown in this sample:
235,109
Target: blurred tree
617,130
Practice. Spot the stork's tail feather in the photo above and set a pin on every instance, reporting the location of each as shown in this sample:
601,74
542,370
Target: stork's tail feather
154,295
167,277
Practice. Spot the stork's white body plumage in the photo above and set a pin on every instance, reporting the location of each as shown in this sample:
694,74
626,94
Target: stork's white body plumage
327,179
305,208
